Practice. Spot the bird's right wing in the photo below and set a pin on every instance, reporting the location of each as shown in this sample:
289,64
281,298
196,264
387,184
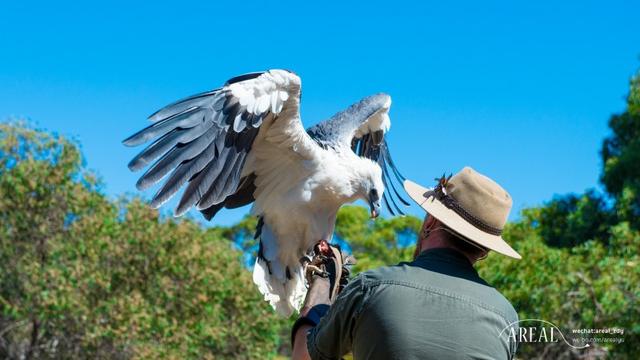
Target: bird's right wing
362,127
205,139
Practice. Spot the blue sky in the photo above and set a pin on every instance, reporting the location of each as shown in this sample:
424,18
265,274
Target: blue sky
520,91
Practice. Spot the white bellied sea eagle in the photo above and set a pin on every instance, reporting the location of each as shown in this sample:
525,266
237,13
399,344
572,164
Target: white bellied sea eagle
245,143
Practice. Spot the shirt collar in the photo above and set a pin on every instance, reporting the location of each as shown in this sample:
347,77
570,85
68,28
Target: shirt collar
444,254
448,261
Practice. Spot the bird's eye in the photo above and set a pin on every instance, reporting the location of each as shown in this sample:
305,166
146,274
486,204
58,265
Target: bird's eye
373,194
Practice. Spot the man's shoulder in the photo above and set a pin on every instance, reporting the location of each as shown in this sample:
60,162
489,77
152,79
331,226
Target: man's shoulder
505,305
404,275
389,273
407,274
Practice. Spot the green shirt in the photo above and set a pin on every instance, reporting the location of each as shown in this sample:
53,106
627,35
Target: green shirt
436,307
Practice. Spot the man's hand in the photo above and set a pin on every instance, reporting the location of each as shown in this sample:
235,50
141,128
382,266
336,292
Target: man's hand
327,274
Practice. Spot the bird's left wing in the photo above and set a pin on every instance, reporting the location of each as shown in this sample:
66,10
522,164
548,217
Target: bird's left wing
362,127
205,139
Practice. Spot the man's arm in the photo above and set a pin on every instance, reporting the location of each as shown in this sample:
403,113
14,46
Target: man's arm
300,351
326,274
332,337
318,298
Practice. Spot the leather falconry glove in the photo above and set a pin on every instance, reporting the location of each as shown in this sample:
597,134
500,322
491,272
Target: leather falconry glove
327,273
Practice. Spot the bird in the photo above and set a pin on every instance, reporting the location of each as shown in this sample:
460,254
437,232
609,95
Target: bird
244,143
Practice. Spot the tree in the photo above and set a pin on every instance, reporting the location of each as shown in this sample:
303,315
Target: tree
592,285
621,156
570,220
84,276
376,242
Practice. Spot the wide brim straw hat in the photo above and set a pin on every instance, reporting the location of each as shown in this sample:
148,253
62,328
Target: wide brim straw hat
470,204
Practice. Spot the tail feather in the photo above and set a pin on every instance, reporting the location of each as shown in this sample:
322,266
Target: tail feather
284,296
281,284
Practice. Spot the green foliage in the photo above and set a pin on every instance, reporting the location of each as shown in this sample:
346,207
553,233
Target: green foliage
379,242
621,156
633,101
86,277
588,286
571,220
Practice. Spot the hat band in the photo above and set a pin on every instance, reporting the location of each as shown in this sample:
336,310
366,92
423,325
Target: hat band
451,203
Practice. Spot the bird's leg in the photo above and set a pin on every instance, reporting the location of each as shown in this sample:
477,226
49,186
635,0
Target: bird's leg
311,263
317,271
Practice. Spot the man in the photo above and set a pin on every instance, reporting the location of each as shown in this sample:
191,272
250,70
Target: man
436,307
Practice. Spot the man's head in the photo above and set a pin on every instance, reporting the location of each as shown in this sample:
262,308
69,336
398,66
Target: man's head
467,212
436,234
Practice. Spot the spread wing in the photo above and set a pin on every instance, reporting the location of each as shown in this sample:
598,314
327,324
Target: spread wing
204,140
362,128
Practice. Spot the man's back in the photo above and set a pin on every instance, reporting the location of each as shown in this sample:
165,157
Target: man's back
436,307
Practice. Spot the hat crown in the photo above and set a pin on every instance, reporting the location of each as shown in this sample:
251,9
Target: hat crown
480,196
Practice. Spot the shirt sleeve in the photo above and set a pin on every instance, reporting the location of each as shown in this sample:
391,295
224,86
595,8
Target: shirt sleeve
332,338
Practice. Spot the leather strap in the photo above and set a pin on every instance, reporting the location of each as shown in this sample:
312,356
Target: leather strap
439,192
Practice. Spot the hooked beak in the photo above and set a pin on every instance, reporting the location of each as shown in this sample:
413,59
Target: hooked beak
374,203
374,206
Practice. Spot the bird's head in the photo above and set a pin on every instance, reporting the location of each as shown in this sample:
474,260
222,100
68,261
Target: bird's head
370,186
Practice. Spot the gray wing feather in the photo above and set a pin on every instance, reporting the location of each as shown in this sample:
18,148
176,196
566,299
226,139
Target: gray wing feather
210,197
167,142
205,189
243,196
199,185
341,127
174,157
183,120
203,140
223,186
194,101
183,172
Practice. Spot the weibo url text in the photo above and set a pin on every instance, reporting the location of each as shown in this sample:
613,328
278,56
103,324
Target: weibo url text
601,340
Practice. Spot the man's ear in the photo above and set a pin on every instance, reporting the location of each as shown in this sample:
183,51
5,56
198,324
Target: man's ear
426,224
